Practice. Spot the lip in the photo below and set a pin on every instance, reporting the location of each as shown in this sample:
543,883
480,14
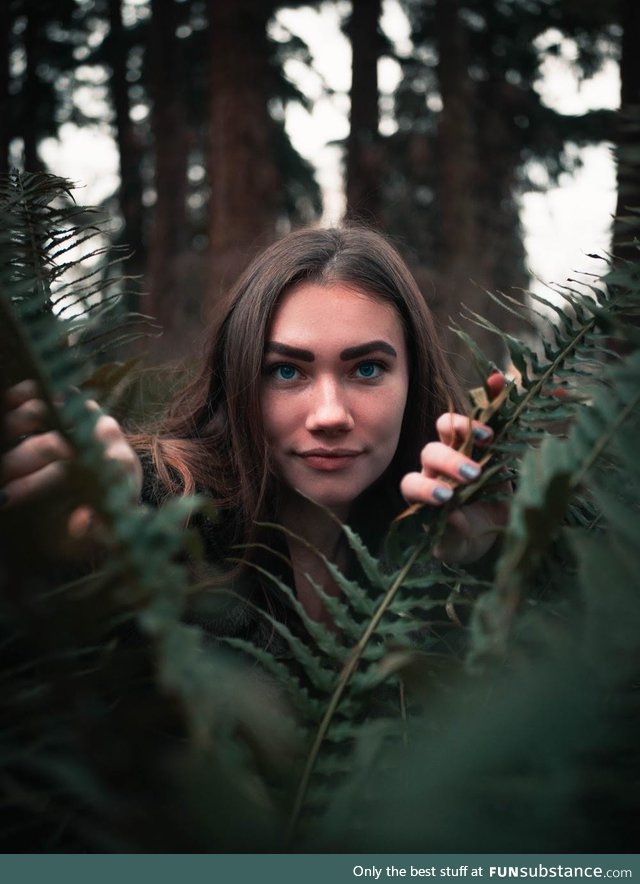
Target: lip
329,459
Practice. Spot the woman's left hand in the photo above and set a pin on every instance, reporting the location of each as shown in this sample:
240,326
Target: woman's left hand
472,529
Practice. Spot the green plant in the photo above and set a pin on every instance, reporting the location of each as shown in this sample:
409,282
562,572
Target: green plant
110,707
447,710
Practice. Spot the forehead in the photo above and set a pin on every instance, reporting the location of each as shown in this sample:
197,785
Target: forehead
335,313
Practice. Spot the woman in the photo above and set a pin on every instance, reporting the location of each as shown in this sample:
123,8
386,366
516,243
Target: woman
322,392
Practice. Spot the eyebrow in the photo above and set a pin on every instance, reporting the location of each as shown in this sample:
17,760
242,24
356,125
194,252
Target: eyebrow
286,350
347,354
365,349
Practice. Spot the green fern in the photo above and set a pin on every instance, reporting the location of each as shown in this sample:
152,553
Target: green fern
551,483
543,728
104,685
498,703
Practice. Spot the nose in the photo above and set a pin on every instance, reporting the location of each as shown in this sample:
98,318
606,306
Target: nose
329,411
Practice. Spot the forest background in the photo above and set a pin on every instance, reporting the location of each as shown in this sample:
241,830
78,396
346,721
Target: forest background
195,95
531,741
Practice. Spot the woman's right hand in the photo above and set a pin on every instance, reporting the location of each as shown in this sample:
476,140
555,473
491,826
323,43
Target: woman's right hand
35,464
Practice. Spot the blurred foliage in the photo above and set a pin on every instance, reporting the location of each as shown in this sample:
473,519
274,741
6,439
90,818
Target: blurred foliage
494,708
108,708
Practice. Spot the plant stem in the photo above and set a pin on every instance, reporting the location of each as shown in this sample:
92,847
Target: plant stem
343,680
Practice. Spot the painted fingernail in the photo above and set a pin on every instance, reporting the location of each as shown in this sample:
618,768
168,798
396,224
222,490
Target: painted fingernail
469,471
442,494
481,434
4,497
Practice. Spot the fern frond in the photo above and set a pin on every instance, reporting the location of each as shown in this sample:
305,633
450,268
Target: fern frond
549,477
102,664
342,683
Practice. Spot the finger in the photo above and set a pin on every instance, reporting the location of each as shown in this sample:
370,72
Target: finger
107,429
81,522
29,417
109,432
454,544
418,488
128,462
439,459
25,488
496,384
20,393
33,454
454,429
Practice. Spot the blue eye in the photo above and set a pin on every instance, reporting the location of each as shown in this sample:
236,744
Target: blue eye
285,372
369,370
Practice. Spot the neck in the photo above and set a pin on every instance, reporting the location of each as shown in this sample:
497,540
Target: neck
317,526
318,532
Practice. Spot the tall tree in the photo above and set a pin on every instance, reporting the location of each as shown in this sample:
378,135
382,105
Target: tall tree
189,65
214,78
5,105
627,226
470,120
130,146
31,90
456,145
245,182
364,168
41,38
194,84
165,70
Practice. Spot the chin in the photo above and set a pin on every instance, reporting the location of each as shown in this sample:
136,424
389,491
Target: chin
338,502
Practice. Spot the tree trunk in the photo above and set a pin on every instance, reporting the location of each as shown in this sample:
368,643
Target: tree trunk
245,186
5,107
30,93
627,226
457,166
457,161
501,250
364,149
129,146
171,142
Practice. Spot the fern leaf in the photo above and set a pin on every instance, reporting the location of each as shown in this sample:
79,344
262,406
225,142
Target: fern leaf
549,476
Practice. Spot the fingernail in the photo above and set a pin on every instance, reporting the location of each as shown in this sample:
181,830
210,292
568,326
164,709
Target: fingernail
442,494
4,497
481,434
469,471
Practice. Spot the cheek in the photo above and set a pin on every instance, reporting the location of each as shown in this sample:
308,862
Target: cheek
277,416
390,416
268,416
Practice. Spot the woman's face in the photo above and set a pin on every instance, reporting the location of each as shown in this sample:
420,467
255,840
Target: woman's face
334,389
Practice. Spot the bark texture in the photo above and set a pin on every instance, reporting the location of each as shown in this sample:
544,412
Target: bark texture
171,140
627,227
364,167
5,107
245,186
130,149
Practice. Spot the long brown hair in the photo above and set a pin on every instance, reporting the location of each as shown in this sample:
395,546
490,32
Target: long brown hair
212,437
